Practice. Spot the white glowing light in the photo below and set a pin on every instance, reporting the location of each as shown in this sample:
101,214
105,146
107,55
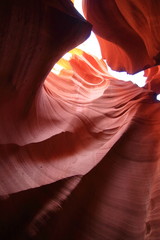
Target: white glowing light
56,69
137,78
78,6
67,56
158,97
91,46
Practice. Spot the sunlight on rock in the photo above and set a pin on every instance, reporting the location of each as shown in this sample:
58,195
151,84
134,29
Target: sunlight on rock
56,69
92,47
67,56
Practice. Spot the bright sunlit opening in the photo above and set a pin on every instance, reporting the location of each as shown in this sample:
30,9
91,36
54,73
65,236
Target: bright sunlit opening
91,46
137,78
158,97
78,6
